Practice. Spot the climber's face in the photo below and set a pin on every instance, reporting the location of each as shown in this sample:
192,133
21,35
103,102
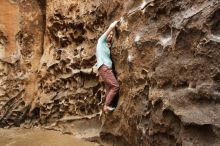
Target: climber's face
110,37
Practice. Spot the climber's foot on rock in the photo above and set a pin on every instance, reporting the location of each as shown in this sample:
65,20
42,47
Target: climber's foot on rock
108,109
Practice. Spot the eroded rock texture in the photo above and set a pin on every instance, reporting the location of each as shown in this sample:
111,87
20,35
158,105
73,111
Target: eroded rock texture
166,56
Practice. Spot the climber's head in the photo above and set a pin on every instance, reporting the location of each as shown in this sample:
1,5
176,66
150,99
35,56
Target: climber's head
110,37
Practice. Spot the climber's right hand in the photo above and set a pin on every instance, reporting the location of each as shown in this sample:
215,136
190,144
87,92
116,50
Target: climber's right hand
111,27
113,24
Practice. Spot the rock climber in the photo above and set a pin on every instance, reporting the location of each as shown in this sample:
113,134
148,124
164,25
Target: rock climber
104,65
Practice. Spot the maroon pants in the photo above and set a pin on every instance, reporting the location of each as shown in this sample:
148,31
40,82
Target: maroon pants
111,84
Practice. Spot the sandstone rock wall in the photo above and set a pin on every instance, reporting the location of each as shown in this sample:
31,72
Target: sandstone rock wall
22,41
166,57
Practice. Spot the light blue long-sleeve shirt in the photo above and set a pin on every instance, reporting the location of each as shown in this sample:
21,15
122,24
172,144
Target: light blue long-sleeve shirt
103,53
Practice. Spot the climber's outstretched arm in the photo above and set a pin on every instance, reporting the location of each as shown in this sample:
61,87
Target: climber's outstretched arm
110,28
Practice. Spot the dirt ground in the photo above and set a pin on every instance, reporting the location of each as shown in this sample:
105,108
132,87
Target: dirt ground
38,137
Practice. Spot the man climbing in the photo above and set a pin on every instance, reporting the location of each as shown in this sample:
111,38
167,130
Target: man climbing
104,65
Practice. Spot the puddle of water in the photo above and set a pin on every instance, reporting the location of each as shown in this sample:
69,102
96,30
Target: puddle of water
38,137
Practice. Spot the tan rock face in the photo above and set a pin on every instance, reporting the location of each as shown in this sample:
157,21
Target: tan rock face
166,57
9,26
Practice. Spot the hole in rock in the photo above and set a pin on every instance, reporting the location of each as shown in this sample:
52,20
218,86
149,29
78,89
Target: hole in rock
216,77
215,23
202,133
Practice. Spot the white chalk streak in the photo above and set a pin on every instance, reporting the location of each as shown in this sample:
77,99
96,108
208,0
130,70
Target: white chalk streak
215,38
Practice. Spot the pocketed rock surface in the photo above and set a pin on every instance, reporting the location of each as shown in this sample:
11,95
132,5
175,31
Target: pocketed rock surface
166,55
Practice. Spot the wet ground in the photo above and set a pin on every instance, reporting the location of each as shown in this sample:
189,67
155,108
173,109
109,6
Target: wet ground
38,137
